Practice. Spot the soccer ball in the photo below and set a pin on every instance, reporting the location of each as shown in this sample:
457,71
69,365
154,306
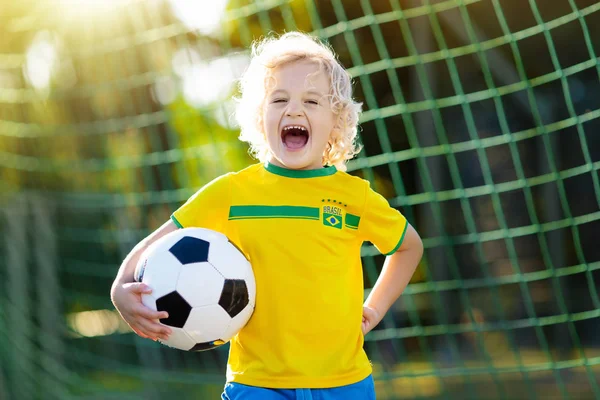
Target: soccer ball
203,282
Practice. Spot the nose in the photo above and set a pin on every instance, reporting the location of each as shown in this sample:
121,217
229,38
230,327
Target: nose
293,109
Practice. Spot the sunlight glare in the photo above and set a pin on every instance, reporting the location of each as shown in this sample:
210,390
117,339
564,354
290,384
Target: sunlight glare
96,323
78,7
208,82
40,61
204,16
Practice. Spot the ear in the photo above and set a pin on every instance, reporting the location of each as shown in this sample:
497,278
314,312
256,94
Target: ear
260,123
335,134
337,126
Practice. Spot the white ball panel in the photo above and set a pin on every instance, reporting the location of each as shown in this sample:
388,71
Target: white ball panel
179,339
166,242
149,301
162,271
238,322
204,234
207,323
228,260
163,244
200,284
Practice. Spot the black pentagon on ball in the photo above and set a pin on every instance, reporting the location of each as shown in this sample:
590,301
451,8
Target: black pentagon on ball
177,308
207,345
234,297
190,250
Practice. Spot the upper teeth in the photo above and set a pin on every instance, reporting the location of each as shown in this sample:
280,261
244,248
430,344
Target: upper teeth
294,127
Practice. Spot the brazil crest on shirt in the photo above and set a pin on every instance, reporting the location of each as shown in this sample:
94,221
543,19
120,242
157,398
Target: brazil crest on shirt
333,216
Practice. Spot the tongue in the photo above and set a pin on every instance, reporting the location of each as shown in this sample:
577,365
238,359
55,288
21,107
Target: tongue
295,141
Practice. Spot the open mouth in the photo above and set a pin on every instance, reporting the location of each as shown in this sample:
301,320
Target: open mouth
294,137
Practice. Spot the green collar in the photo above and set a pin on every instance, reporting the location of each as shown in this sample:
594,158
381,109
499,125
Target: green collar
300,173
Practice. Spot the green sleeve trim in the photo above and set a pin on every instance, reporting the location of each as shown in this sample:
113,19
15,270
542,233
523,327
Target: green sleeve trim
176,222
399,241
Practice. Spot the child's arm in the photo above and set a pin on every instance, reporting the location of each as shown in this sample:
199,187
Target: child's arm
395,275
126,294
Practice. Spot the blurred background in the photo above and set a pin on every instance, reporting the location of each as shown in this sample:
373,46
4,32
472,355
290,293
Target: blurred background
481,126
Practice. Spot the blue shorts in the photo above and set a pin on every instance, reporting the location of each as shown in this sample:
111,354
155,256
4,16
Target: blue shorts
363,390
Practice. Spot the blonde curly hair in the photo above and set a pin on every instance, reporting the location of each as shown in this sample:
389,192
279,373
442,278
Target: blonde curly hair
272,52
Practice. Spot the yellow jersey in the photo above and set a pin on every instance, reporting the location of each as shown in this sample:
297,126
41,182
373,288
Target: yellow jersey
302,231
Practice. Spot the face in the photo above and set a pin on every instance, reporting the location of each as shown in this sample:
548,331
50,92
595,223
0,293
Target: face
298,120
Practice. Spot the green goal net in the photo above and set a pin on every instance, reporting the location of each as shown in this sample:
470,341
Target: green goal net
480,124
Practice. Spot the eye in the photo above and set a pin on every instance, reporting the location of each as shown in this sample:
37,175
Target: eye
315,102
279,101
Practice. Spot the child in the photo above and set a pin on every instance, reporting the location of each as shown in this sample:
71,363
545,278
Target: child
301,222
